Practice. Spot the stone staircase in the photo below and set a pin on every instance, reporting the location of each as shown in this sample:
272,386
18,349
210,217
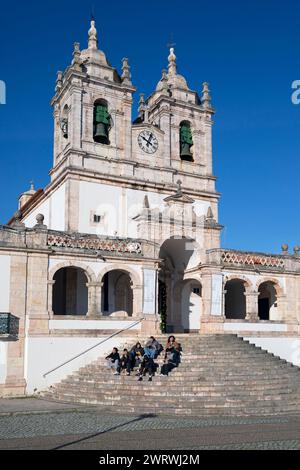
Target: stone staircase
219,375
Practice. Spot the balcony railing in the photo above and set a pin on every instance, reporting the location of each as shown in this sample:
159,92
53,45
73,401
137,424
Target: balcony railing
9,324
248,260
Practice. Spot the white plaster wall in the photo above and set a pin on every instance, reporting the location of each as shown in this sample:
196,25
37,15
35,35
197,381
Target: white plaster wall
58,201
3,361
4,283
259,327
217,288
286,348
118,206
43,208
53,209
93,325
44,354
149,291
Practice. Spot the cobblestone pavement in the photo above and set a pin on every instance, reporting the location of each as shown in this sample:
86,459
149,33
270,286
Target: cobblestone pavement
42,427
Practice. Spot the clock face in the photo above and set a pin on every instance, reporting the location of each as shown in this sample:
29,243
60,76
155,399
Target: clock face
148,142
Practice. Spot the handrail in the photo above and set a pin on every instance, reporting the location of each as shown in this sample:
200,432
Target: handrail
92,347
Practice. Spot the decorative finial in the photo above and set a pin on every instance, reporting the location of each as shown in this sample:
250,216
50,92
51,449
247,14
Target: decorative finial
179,188
146,202
32,185
126,75
206,98
172,62
141,108
210,214
17,222
285,248
209,219
296,250
59,81
164,80
40,222
93,37
76,55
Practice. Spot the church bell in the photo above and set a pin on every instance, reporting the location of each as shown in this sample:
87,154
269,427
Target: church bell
100,132
185,152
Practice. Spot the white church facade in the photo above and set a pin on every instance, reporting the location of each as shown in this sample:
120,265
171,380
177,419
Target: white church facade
125,238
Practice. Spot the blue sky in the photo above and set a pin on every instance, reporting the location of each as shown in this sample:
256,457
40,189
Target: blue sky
249,53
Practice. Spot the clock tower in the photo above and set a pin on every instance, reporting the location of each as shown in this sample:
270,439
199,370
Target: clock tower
108,169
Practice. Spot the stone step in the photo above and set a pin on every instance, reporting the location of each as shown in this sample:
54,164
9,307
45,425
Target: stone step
198,395
218,375
180,385
191,403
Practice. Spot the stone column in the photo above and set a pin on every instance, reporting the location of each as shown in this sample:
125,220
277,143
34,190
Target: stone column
252,305
98,298
94,299
285,314
212,317
137,295
50,298
75,131
197,146
37,294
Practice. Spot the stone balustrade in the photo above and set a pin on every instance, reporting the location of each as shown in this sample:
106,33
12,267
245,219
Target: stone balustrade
254,261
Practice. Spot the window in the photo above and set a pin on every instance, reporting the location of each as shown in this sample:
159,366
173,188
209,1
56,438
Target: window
97,218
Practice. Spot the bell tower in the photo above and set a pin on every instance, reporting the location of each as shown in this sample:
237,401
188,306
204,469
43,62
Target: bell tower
92,110
186,120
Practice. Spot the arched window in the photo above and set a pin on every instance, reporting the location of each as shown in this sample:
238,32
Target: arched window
186,142
101,123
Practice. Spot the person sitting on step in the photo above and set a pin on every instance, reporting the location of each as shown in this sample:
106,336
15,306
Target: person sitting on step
124,362
135,355
171,360
149,351
155,345
147,366
171,342
113,360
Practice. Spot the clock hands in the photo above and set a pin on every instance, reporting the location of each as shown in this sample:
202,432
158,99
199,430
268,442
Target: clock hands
148,140
151,143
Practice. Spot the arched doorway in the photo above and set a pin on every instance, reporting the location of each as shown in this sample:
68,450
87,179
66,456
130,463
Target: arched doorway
177,256
267,300
191,305
117,296
235,299
70,292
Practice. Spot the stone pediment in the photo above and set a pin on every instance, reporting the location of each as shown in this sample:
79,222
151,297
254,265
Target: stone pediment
179,196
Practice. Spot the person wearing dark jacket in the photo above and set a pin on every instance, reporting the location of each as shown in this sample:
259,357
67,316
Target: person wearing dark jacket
135,355
172,359
147,366
124,362
113,360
